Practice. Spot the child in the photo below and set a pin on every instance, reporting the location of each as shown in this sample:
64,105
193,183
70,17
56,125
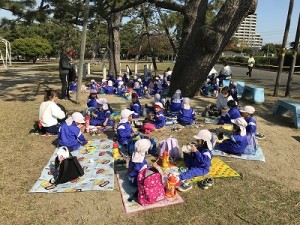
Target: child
110,88
198,160
138,160
137,87
159,118
238,140
205,87
92,100
120,90
186,114
49,113
136,106
103,87
146,93
103,114
69,133
247,114
233,113
93,85
216,87
124,130
176,102
233,91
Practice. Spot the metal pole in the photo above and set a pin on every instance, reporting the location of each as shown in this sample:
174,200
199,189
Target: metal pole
294,58
282,55
82,48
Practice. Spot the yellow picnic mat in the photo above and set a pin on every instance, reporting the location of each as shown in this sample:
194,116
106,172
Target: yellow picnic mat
218,169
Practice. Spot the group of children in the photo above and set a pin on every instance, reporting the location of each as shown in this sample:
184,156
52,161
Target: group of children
143,88
197,159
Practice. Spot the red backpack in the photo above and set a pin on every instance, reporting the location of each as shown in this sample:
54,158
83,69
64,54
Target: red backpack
150,186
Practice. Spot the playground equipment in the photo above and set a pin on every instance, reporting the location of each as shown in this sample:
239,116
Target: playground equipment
6,59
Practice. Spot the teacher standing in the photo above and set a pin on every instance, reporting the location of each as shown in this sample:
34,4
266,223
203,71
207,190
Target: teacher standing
64,69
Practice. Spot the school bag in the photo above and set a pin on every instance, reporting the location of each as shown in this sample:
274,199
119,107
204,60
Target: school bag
171,146
150,186
69,169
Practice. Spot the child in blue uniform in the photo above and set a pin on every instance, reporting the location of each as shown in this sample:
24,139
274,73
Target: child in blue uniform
109,88
124,130
138,160
247,114
69,133
103,114
159,117
238,141
186,115
176,102
103,87
233,91
138,87
136,106
120,90
93,85
92,100
198,159
233,113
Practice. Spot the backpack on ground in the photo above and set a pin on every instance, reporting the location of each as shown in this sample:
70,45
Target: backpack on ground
171,146
69,169
150,186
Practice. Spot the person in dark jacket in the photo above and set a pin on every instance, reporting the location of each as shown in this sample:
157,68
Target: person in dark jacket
64,69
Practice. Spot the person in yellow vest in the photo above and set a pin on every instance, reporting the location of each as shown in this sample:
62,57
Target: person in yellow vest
251,63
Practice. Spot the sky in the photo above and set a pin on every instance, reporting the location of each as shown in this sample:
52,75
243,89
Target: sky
271,19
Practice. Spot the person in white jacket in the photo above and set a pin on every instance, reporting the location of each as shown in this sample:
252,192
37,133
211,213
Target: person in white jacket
50,113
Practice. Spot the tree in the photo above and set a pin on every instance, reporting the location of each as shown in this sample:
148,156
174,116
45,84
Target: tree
202,41
31,48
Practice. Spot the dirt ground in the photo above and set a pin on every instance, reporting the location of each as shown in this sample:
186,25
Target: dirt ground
267,193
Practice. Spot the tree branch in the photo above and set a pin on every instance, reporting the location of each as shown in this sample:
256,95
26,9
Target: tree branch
168,5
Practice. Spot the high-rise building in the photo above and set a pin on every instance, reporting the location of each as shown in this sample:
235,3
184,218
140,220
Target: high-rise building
246,33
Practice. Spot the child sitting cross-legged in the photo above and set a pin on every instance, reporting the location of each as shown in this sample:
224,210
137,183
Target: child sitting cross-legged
233,113
238,141
103,114
186,115
135,106
156,122
92,100
70,132
197,159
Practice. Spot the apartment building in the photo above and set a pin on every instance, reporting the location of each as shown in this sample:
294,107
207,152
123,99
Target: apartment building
246,33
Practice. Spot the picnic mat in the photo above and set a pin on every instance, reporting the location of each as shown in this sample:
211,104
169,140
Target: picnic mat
218,169
97,161
259,155
127,191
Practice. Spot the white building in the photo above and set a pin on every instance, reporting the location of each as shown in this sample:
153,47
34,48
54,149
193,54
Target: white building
246,33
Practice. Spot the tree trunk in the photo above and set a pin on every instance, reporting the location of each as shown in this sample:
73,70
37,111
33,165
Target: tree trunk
201,45
114,22
149,41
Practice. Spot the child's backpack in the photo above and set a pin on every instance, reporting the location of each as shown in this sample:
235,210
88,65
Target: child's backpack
150,186
171,145
69,169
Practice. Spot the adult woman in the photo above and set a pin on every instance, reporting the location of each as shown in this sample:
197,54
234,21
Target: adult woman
50,113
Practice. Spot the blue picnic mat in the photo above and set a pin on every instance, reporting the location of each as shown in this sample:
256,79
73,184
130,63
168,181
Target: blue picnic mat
97,161
259,155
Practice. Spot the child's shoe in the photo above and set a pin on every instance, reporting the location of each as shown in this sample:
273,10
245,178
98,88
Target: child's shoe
184,186
209,181
260,136
203,184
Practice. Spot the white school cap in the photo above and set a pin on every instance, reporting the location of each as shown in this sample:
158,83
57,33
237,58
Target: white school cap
241,123
204,135
248,109
141,147
64,152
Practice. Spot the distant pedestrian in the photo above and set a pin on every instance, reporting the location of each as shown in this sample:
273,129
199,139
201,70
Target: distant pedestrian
251,63
64,69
